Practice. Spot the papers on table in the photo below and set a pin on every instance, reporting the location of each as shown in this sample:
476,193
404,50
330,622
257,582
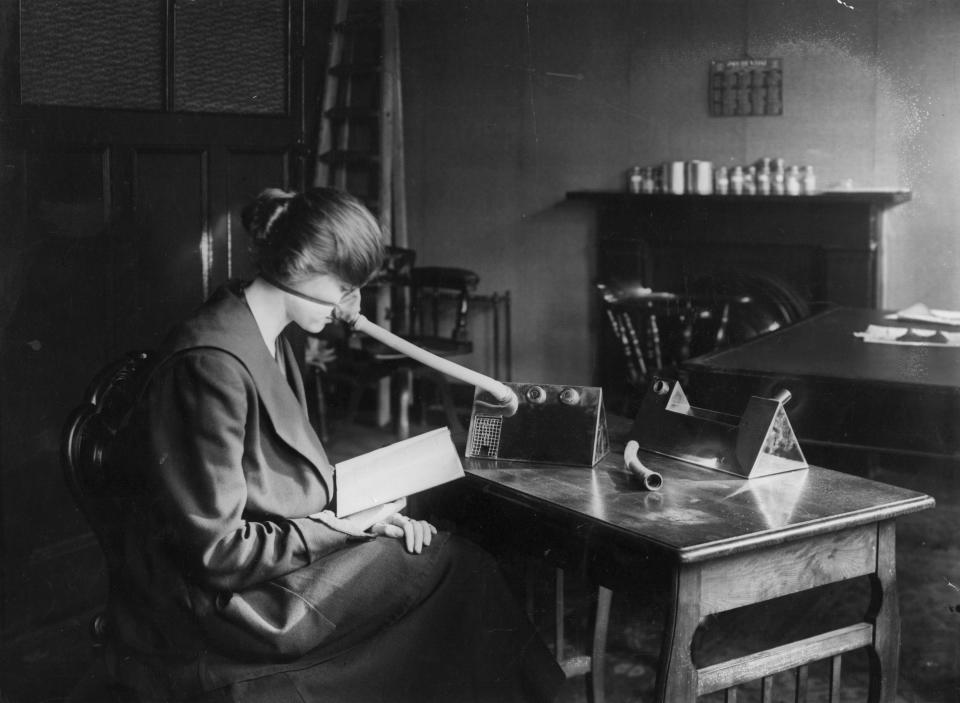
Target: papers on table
911,336
918,312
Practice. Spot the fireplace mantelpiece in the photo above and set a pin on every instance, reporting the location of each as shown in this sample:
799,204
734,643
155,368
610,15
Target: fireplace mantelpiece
828,245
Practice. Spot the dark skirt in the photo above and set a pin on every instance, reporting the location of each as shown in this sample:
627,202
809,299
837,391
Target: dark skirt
437,626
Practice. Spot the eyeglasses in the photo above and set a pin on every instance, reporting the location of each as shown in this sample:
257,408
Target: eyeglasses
304,296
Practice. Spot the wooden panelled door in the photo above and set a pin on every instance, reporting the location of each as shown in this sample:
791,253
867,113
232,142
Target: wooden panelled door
132,136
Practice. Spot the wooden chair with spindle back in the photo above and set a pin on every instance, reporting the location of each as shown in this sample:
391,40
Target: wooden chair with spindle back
363,362
429,307
430,285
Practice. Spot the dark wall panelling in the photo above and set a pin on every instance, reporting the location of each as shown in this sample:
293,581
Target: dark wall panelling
69,190
171,190
59,328
248,173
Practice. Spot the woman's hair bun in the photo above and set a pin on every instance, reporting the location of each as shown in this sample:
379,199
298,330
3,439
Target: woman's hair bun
260,216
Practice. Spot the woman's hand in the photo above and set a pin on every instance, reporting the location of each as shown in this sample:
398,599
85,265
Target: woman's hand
416,533
385,520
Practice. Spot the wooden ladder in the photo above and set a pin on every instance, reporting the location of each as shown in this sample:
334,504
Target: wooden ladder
360,139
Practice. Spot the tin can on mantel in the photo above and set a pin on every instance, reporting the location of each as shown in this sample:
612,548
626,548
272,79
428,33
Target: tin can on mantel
673,177
699,177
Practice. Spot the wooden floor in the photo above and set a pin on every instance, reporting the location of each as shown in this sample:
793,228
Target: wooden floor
44,665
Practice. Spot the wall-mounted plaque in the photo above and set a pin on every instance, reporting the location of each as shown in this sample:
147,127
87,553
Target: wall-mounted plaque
746,87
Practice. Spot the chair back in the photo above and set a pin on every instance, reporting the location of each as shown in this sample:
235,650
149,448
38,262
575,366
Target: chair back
433,288
86,445
385,299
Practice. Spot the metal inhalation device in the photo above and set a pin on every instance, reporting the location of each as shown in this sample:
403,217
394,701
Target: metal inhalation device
519,421
552,424
760,442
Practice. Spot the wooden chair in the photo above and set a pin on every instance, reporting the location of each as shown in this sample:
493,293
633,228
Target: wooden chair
98,491
432,288
363,363
661,329
415,304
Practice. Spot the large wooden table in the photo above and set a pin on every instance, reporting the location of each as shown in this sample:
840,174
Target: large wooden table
847,394
706,543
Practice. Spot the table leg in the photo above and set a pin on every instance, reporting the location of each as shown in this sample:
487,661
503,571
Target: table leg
601,619
884,614
677,675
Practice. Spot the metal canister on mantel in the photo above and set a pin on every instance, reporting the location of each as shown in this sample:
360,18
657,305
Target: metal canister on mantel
699,177
673,180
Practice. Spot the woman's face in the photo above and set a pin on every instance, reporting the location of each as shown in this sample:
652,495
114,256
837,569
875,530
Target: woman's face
314,310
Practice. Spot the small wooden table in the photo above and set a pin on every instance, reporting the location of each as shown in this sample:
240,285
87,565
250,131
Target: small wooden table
707,543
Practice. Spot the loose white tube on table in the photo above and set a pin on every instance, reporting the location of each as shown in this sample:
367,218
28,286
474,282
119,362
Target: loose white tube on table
502,393
651,480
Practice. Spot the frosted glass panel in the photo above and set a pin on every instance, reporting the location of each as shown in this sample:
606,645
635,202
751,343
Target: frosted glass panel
92,53
231,57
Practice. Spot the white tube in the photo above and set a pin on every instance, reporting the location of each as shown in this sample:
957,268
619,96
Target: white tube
650,479
502,393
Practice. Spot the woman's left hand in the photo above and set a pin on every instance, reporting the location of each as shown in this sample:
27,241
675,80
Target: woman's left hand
416,533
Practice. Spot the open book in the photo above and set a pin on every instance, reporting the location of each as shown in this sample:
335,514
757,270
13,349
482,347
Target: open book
396,471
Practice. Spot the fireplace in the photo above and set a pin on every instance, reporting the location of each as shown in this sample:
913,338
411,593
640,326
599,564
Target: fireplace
809,251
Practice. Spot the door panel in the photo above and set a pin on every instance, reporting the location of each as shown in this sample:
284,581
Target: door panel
118,223
57,332
249,172
173,240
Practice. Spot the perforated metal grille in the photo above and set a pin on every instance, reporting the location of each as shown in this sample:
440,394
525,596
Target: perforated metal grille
485,436
231,57
95,53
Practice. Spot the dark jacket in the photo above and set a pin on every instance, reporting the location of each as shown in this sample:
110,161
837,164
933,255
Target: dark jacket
230,590
230,470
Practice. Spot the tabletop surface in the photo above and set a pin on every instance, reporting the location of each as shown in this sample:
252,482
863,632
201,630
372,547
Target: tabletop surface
823,346
699,513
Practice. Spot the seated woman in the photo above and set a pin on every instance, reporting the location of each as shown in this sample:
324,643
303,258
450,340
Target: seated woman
239,581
